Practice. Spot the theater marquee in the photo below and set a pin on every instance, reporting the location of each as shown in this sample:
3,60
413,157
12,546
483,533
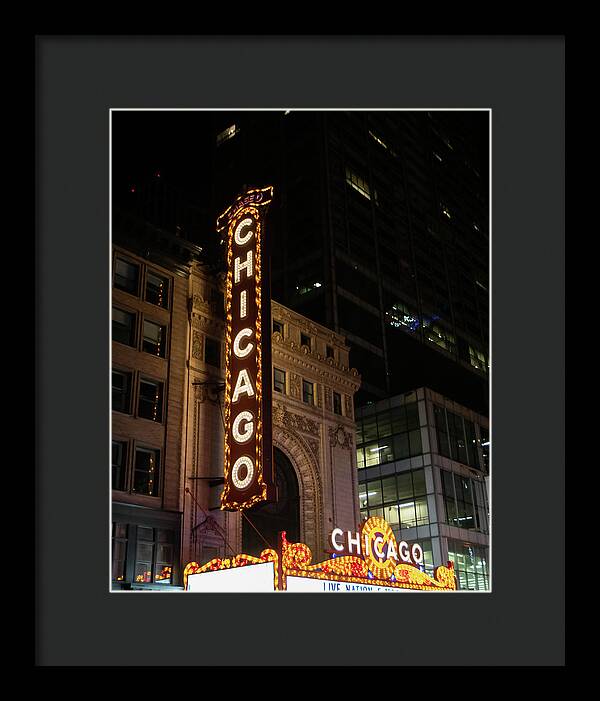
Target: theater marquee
370,560
248,460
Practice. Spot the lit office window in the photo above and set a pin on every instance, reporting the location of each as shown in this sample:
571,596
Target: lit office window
470,564
378,140
440,336
358,183
477,359
400,316
401,499
227,134
391,435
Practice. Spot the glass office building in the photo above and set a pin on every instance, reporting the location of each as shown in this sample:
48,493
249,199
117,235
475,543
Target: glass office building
423,464
379,231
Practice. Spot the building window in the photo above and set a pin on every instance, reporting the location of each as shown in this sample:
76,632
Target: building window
305,340
150,405
436,334
123,327
126,276
399,316
157,289
458,446
154,556
146,471
121,391
478,359
119,551
308,392
163,565
456,437
463,507
279,380
278,327
329,352
337,403
484,440
391,435
378,140
442,431
358,183
212,352
119,458
227,134
401,499
471,439
155,339
470,565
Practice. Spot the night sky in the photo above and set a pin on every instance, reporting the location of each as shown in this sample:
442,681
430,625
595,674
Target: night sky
177,144
174,144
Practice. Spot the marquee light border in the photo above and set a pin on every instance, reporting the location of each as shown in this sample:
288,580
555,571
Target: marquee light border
295,560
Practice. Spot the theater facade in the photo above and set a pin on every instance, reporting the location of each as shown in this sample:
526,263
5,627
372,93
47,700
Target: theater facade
313,434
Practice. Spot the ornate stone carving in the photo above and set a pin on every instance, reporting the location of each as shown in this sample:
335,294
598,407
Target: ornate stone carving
349,407
207,392
319,391
201,303
314,445
294,385
278,413
328,398
277,337
197,346
338,436
294,422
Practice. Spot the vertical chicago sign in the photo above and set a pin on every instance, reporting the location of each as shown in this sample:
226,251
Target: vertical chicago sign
248,460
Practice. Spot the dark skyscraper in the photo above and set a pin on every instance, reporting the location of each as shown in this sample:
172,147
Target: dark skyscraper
380,232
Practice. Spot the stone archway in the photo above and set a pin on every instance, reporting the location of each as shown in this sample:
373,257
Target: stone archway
263,522
305,464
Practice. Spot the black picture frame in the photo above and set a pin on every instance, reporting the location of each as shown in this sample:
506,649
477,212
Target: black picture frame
78,79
